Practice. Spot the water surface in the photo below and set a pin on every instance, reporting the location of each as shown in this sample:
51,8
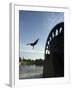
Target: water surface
30,71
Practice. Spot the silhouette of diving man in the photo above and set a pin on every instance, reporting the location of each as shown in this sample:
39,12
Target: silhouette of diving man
34,43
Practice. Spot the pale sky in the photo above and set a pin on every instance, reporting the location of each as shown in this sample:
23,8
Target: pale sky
33,25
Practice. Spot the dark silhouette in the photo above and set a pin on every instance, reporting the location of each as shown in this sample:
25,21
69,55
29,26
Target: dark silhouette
54,61
33,44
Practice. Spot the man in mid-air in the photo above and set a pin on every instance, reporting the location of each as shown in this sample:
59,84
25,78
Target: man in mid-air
34,43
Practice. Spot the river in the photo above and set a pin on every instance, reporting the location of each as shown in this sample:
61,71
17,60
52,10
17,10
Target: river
30,71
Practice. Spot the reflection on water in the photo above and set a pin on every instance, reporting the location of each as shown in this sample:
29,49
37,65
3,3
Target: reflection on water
30,71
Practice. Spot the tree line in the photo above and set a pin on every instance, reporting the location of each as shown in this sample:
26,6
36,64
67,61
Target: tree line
23,61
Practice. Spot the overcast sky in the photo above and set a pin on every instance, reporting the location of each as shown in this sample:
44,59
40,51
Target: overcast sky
33,25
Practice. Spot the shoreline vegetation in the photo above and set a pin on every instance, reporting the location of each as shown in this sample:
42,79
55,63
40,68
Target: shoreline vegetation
23,61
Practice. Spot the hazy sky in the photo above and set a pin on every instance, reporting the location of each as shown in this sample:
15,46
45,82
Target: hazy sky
33,25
